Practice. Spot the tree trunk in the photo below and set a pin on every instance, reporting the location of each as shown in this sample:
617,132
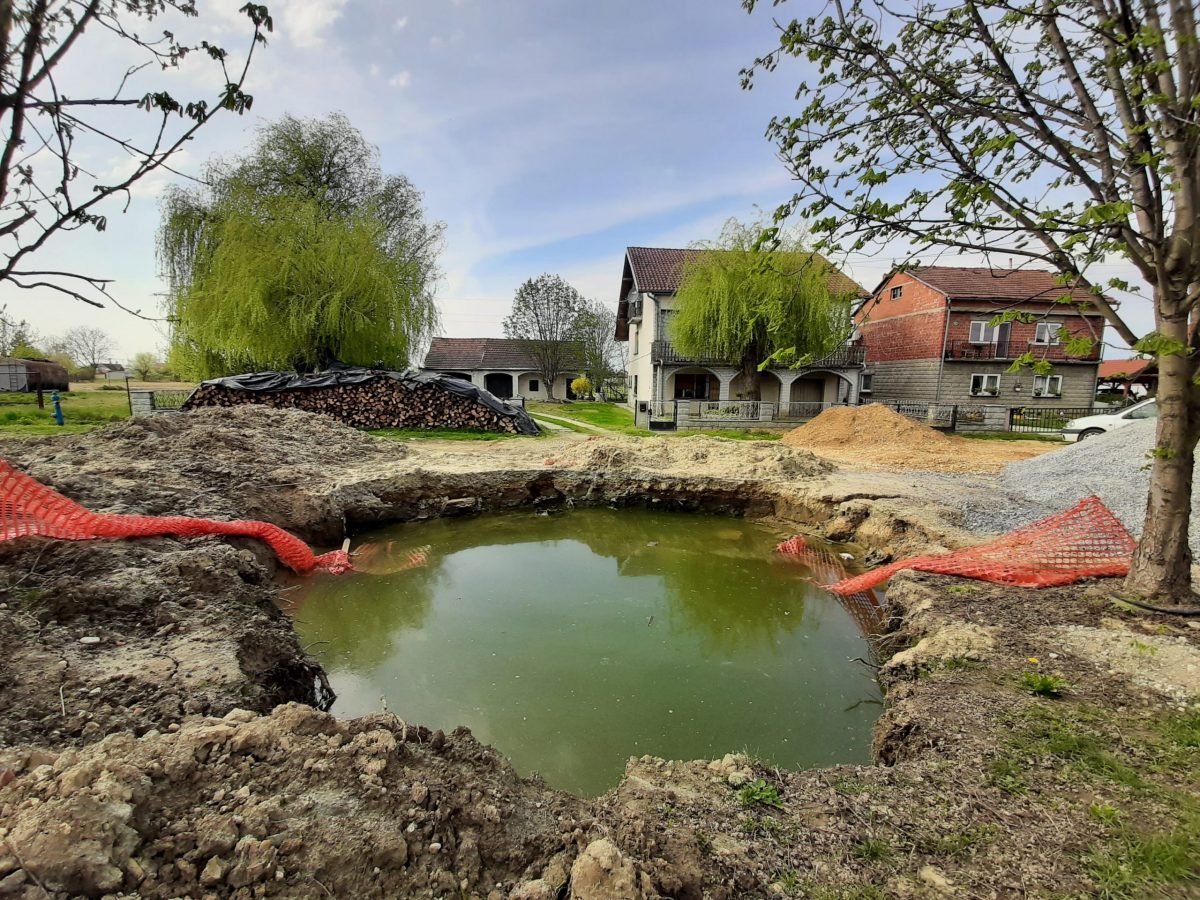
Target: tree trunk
1162,563
750,362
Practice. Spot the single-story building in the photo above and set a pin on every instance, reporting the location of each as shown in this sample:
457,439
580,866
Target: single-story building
1134,378
501,366
31,374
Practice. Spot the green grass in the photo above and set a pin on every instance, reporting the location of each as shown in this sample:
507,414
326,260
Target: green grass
760,793
441,434
1133,863
619,418
1010,436
82,411
1042,685
562,423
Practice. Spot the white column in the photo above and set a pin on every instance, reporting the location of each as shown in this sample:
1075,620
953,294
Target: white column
726,377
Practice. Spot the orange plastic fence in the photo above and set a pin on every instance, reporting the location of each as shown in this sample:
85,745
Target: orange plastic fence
1086,541
28,507
864,606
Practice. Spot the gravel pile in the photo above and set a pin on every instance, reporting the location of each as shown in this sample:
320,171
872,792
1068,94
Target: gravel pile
1113,466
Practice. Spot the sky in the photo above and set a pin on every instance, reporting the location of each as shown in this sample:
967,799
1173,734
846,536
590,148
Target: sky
548,136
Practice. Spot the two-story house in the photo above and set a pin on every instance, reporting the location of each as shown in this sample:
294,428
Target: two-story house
929,337
658,371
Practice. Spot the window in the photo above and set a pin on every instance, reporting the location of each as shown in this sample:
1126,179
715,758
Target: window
534,387
864,384
1047,333
897,292
982,332
1047,385
635,387
985,385
1149,411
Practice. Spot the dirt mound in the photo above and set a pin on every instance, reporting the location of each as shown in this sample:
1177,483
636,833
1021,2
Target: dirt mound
295,804
246,462
865,427
875,436
696,455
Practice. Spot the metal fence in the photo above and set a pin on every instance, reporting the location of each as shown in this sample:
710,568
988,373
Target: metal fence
169,400
1047,419
725,409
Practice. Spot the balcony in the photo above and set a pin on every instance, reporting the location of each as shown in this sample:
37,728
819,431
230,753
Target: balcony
1010,350
850,356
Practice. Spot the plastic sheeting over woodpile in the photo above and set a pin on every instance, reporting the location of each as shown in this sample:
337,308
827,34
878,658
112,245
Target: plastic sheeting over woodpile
371,398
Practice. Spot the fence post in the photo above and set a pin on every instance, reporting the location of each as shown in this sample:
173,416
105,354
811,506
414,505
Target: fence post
1012,412
954,417
128,396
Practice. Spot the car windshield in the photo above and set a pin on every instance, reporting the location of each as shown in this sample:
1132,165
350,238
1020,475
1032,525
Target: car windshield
1148,411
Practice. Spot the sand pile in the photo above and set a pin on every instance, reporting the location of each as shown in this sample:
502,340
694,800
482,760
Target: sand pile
867,427
875,436
691,456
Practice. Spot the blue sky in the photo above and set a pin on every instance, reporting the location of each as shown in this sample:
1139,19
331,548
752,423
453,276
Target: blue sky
546,135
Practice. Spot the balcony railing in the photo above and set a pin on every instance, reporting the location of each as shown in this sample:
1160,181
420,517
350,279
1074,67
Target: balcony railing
1012,349
843,358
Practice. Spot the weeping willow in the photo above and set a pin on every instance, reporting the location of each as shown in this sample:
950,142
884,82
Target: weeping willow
277,282
299,254
758,307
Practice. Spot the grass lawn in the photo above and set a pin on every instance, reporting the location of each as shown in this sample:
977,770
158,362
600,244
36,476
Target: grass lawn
82,410
561,423
619,419
610,416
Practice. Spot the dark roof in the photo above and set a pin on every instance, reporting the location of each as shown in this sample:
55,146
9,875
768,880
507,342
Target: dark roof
33,362
659,270
465,354
985,283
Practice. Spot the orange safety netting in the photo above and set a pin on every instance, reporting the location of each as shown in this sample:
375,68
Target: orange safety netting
826,566
1086,541
28,507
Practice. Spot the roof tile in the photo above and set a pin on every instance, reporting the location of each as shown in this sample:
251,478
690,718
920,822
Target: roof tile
659,270
984,283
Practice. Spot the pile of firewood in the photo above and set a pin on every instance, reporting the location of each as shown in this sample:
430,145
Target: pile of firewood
379,403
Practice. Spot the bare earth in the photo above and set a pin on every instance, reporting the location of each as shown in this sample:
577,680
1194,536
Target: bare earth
149,763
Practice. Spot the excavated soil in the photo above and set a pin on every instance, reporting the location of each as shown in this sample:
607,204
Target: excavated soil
146,760
875,436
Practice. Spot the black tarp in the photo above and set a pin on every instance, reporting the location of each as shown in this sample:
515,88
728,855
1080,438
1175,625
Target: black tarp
278,382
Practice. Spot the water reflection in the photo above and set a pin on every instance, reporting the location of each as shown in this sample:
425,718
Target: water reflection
572,642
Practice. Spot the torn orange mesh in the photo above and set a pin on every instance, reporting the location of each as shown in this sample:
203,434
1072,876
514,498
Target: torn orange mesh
826,566
28,507
1085,541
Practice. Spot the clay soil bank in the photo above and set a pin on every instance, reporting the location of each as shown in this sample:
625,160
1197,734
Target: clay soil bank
161,732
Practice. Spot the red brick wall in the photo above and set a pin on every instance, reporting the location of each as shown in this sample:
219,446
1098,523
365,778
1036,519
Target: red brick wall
1022,333
909,327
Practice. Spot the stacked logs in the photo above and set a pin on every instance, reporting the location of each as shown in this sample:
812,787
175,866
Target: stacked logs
379,403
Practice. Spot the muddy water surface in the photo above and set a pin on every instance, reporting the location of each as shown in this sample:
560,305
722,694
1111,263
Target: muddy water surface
572,642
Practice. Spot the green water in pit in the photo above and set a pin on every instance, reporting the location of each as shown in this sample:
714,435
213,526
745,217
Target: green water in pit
572,642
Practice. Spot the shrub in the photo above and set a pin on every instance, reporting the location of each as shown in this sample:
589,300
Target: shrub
1042,685
581,387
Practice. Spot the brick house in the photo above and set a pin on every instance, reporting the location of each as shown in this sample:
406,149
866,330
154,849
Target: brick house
498,365
928,337
658,371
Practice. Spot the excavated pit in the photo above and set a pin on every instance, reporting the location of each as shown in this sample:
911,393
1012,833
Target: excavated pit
145,760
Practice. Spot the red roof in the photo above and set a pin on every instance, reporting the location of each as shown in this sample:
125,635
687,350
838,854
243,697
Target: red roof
1111,368
658,270
984,283
465,354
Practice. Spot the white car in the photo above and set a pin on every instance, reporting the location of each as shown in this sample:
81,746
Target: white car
1090,426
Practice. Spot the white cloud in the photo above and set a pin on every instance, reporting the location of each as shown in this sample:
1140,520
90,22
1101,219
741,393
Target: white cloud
374,70
401,23
307,21
401,79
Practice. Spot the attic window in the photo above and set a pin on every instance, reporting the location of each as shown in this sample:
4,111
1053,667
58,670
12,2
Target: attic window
897,291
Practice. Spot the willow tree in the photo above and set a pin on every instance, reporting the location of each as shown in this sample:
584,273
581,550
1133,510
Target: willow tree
743,302
300,254
1065,132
